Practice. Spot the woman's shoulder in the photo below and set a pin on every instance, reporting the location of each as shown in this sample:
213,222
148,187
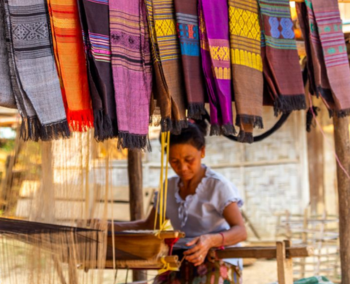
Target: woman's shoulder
218,179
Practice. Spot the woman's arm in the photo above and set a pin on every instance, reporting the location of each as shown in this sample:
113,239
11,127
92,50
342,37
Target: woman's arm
237,233
145,224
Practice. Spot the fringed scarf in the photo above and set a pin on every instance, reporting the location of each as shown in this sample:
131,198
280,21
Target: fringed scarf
94,17
248,84
215,51
34,75
70,61
132,72
168,90
328,63
280,57
187,31
7,98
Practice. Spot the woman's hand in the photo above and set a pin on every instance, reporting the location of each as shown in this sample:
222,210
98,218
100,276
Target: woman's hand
198,253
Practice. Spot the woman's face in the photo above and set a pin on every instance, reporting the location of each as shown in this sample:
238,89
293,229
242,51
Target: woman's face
186,160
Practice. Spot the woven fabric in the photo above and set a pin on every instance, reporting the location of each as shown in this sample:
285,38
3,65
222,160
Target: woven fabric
169,90
213,272
280,57
215,51
37,83
328,63
132,72
7,98
247,75
70,61
94,18
187,31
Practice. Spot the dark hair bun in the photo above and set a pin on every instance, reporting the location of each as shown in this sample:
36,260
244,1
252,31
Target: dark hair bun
202,126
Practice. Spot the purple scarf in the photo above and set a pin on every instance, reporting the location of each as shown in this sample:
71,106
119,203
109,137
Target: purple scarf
132,72
215,51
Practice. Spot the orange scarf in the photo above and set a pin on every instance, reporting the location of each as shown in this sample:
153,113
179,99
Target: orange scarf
70,60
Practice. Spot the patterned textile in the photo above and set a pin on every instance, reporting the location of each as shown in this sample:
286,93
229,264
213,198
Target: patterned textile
132,72
70,61
280,57
209,272
245,39
94,18
33,75
187,30
215,51
328,63
7,98
168,89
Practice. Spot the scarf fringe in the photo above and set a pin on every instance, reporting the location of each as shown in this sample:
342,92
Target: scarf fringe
339,113
80,120
256,121
174,126
32,129
245,137
227,129
133,141
196,110
103,126
310,117
285,104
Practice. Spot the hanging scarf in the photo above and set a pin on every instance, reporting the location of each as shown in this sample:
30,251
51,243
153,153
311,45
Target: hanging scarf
280,57
187,31
70,61
132,72
167,65
37,83
245,39
328,61
215,51
7,98
94,18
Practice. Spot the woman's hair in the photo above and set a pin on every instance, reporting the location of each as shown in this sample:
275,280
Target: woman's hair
194,135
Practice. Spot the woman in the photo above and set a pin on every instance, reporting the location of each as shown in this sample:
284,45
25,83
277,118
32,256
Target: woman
205,206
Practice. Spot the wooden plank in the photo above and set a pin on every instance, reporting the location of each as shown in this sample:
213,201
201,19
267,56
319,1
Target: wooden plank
342,148
263,252
284,264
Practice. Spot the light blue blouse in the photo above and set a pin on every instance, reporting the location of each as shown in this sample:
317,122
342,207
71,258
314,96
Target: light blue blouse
202,212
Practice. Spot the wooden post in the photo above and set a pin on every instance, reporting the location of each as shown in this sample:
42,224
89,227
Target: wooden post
135,194
342,148
284,264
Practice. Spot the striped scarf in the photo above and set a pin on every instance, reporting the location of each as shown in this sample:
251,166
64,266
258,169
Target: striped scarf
245,39
7,98
328,63
187,31
280,57
33,73
132,72
215,51
70,61
94,18
168,89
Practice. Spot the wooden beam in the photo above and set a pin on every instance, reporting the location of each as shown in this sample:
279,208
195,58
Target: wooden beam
136,195
342,148
262,252
284,263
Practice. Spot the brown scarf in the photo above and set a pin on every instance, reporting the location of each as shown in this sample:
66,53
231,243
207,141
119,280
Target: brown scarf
280,57
167,65
187,31
245,40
